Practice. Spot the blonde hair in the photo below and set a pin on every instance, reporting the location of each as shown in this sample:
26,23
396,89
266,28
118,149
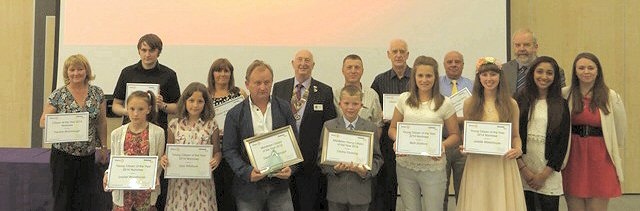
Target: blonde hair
77,60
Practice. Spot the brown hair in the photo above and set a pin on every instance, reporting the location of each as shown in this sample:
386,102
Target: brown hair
77,60
152,40
217,66
413,101
150,99
503,98
207,113
599,91
351,90
255,64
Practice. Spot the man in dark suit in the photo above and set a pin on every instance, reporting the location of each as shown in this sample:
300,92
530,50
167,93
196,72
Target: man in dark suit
258,114
312,104
525,50
349,185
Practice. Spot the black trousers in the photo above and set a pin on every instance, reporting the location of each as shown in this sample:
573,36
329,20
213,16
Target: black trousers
536,201
223,177
385,187
73,180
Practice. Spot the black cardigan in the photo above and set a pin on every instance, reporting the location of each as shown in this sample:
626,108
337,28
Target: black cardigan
557,139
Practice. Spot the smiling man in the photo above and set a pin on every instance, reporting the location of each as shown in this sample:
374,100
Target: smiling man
352,70
525,50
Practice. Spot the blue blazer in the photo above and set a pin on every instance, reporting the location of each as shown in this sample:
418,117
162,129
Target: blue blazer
238,126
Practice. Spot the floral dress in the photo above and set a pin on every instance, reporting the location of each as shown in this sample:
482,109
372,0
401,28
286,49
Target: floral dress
136,144
192,194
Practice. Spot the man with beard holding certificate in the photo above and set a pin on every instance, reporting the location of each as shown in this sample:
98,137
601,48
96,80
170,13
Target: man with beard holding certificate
312,105
258,114
349,185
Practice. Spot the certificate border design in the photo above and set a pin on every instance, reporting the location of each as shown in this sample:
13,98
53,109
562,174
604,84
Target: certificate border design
466,122
208,146
325,143
438,125
46,129
286,129
155,171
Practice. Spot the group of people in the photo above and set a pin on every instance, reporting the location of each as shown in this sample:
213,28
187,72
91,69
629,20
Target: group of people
564,141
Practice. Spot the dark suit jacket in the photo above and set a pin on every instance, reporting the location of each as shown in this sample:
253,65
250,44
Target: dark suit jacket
510,70
349,187
239,126
312,119
556,139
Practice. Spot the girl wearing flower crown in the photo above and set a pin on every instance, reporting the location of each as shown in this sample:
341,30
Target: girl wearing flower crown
492,182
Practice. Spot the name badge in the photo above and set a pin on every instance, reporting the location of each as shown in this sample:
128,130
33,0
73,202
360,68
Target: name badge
317,107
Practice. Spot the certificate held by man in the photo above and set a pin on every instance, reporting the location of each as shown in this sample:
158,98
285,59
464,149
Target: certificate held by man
389,102
347,146
66,127
188,161
270,152
491,138
132,172
419,139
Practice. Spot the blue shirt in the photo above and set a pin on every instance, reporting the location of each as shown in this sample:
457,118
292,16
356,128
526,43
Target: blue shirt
462,82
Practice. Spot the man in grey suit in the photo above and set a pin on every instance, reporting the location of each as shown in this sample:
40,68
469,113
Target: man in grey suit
312,104
349,185
525,49
257,114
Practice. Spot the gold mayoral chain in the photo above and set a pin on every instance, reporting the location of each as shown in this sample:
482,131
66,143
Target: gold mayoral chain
297,103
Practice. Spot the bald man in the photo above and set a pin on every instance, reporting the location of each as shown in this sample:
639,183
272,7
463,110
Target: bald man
312,104
454,64
392,81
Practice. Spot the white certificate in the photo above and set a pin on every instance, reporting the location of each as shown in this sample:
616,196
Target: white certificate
389,102
273,151
66,127
132,87
458,100
222,109
347,146
132,172
188,161
492,138
419,139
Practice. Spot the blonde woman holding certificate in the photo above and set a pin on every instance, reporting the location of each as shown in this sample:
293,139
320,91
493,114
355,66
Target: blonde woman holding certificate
424,175
492,182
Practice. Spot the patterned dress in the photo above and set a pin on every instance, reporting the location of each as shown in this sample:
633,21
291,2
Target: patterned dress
192,194
136,144
63,101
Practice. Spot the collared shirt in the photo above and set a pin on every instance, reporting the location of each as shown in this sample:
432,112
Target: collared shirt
389,83
306,84
262,123
347,123
371,109
446,85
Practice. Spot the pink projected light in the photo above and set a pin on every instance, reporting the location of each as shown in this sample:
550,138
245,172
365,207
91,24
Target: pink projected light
234,23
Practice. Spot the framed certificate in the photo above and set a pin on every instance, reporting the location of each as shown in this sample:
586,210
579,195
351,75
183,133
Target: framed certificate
222,109
458,100
132,87
346,146
66,127
419,139
389,102
273,151
188,161
132,172
491,138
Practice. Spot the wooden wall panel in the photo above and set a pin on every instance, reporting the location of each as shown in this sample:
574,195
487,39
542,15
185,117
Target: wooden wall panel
609,29
16,42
